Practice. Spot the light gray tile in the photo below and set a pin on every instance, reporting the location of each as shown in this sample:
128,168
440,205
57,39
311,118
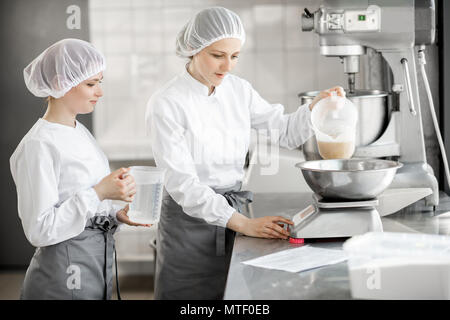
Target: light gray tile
107,4
140,106
302,70
121,120
176,3
98,116
269,22
173,65
119,68
330,73
270,76
146,67
121,89
116,44
117,77
222,3
246,15
293,102
245,67
146,3
264,2
143,80
176,17
118,21
97,20
249,45
169,42
147,20
295,37
275,98
204,3
310,4
148,43
98,41
173,21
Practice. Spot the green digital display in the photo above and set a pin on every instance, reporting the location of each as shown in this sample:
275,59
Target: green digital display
361,17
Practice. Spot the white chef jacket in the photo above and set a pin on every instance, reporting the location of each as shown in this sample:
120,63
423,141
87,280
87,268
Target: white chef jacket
203,140
55,168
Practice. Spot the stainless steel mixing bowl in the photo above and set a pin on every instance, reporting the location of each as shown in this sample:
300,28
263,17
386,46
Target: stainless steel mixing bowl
372,118
349,179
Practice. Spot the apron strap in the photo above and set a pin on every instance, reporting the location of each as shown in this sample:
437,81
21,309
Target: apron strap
117,275
220,241
106,271
108,226
236,199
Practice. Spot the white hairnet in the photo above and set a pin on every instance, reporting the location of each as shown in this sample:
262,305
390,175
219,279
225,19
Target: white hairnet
206,27
63,66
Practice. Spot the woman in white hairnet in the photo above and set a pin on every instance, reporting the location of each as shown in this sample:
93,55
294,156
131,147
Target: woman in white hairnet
199,124
64,185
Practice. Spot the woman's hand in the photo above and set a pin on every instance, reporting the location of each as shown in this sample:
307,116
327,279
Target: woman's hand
116,186
264,227
326,93
122,216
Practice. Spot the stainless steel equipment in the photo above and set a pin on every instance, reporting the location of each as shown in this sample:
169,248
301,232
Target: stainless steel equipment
346,29
336,219
345,218
348,193
352,179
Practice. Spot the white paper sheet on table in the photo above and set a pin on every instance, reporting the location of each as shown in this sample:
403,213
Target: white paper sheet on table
299,259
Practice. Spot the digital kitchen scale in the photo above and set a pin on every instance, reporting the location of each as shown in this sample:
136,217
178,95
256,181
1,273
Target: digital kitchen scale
335,219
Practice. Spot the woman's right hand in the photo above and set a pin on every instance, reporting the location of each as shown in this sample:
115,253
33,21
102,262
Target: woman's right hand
264,227
116,186
327,93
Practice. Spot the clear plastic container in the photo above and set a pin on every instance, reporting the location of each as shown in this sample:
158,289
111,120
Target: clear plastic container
146,206
334,122
385,265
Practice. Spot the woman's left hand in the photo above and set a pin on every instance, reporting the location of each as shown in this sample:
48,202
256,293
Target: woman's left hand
326,93
122,216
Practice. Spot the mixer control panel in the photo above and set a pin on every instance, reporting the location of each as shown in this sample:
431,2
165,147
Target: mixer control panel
362,20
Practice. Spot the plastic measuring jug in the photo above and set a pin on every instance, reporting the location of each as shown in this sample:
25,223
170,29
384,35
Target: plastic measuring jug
334,122
146,205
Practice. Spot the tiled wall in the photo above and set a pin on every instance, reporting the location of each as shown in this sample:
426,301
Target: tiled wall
138,40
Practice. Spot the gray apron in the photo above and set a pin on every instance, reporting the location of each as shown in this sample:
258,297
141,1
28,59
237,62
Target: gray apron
193,256
78,268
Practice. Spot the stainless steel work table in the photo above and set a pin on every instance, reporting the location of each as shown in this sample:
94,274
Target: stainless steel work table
329,282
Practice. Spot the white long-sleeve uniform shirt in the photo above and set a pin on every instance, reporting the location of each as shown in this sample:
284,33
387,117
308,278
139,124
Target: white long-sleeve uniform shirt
202,139
55,168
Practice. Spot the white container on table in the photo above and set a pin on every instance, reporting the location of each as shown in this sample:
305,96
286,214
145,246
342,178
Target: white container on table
408,266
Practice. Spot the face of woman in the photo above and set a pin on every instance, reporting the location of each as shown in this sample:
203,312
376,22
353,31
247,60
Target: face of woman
210,65
83,98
